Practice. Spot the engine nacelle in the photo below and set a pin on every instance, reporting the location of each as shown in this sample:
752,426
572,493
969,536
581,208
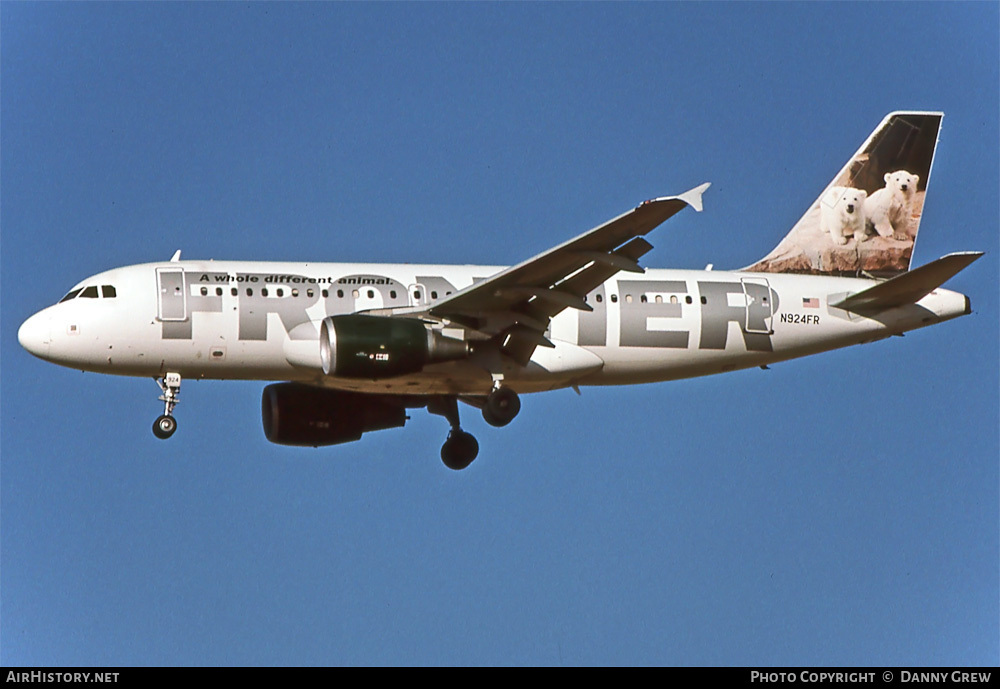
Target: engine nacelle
297,414
375,347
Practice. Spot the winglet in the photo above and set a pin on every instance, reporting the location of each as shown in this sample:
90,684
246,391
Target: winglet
692,197
176,257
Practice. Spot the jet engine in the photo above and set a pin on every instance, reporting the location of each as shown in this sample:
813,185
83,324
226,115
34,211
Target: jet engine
297,414
375,347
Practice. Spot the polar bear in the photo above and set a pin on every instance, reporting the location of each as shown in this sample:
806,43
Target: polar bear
889,209
842,214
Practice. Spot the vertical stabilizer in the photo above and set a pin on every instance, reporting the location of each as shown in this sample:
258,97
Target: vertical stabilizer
866,220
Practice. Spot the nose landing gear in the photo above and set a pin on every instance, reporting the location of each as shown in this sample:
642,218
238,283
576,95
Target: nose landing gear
166,424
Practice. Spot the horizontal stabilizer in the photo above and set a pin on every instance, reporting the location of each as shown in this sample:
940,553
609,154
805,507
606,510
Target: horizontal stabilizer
908,288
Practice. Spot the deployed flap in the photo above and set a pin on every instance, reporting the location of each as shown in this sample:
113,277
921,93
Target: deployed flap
866,220
910,287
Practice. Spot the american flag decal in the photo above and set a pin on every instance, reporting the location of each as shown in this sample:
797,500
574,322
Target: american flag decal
810,303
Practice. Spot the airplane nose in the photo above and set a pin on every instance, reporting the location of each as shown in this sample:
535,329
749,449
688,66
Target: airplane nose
35,334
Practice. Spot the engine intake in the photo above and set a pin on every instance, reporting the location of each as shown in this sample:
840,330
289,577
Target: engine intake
375,347
297,414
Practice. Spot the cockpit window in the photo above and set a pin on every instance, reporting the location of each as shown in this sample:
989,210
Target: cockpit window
107,291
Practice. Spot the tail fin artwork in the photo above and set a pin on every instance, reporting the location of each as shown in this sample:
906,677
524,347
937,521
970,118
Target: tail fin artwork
866,220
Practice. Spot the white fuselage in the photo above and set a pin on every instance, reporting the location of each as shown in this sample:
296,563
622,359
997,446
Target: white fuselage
260,321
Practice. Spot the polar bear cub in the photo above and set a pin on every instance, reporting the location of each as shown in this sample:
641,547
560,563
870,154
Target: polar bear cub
842,214
889,209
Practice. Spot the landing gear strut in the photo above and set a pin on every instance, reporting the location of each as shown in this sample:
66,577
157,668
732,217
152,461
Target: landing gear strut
460,448
501,406
166,424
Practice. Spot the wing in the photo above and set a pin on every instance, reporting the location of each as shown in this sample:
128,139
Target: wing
516,304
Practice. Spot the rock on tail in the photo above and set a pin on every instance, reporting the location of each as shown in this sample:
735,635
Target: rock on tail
889,176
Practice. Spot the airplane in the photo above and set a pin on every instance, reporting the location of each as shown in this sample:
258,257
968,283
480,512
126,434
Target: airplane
354,346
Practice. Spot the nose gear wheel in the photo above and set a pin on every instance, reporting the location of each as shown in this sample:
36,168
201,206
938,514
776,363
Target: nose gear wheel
166,424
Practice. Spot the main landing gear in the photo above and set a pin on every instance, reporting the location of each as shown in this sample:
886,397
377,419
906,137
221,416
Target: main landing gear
166,424
461,448
501,406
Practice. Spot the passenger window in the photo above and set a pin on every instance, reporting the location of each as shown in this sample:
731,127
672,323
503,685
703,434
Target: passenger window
371,294
204,291
434,294
89,292
687,299
108,292
309,293
326,293
416,295
281,292
392,294
643,299
249,292
218,291
295,293
340,293
263,291
599,298
614,298
673,299
71,295
355,293
234,291
704,300
659,299
628,298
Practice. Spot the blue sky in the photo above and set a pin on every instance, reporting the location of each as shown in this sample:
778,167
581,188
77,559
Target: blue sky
840,509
